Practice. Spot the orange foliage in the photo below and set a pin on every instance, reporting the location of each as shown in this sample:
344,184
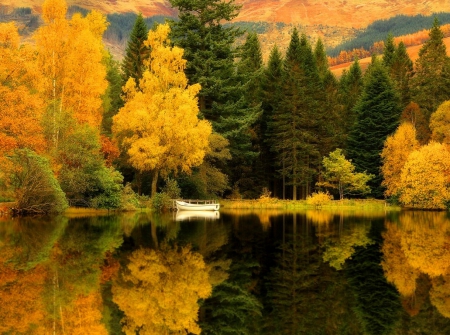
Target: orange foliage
70,57
109,149
21,107
110,268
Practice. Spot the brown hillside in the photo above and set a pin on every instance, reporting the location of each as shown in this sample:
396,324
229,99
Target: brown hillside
413,53
341,13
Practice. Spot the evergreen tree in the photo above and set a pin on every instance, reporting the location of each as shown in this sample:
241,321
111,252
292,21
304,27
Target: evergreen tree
112,100
210,53
401,72
431,82
350,87
378,114
321,59
136,52
271,97
389,51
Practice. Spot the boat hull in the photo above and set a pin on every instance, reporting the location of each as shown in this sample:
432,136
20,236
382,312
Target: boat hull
184,206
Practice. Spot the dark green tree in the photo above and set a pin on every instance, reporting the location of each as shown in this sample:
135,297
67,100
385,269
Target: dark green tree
136,51
350,88
389,51
378,113
209,48
401,72
431,81
271,98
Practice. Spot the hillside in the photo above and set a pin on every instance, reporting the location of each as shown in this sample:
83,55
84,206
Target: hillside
340,13
413,53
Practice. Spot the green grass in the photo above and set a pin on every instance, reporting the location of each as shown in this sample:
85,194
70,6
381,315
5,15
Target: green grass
301,204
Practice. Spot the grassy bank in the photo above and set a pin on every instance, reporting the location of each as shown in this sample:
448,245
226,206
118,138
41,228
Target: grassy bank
301,204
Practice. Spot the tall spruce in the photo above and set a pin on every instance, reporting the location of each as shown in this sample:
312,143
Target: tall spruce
431,82
389,51
210,52
295,125
378,113
272,94
350,88
136,51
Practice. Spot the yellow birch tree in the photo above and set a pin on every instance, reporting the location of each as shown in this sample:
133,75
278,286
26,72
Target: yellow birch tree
425,178
70,58
158,126
397,148
440,123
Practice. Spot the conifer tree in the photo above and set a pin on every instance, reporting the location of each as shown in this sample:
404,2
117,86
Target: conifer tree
136,52
350,87
210,53
271,98
431,82
378,114
389,51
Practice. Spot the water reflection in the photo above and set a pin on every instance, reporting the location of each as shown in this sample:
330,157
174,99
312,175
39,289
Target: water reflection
247,272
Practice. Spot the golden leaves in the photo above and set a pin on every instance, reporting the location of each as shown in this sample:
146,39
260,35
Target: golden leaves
158,127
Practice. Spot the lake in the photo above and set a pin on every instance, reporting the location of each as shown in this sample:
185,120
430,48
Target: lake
233,272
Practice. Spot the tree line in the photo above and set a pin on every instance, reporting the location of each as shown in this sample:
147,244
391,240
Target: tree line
188,110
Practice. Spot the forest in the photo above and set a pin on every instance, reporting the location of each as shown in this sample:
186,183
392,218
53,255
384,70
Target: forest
190,114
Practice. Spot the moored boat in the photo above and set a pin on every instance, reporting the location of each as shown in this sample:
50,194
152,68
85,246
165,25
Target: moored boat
185,206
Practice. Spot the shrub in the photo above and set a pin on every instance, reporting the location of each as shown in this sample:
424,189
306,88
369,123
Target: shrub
129,200
319,199
36,189
160,202
172,189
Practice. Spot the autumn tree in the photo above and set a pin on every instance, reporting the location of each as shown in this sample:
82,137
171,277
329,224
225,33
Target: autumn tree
397,148
158,126
339,173
378,113
70,54
440,123
21,106
424,180
167,285
431,80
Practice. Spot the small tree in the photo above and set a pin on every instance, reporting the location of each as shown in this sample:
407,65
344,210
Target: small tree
339,174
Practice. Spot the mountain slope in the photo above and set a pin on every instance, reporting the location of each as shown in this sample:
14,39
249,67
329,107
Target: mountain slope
341,13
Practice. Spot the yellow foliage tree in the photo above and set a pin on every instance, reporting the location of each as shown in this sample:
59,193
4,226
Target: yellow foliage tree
397,148
158,127
70,54
440,123
160,289
424,180
21,108
440,294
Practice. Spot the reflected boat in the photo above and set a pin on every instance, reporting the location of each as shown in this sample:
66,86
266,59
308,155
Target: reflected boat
185,206
197,215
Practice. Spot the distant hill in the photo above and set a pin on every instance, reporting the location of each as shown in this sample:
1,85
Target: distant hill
413,53
339,13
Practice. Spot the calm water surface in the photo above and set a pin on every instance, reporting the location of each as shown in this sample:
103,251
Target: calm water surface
266,272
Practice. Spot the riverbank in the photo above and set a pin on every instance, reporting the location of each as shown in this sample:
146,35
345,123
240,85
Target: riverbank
301,204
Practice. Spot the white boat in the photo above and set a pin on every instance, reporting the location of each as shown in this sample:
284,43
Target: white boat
197,215
185,206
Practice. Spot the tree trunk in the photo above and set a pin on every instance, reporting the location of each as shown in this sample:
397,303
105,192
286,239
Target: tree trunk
154,181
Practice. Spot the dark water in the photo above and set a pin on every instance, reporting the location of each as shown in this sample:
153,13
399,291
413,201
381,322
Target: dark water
266,272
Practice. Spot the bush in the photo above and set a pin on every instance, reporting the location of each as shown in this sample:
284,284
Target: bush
129,200
319,199
160,202
36,189
172,189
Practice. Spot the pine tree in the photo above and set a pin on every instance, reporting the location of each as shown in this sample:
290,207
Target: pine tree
401,73
431,82
136,52
389,51
210,53
350,87
272,92
378,114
